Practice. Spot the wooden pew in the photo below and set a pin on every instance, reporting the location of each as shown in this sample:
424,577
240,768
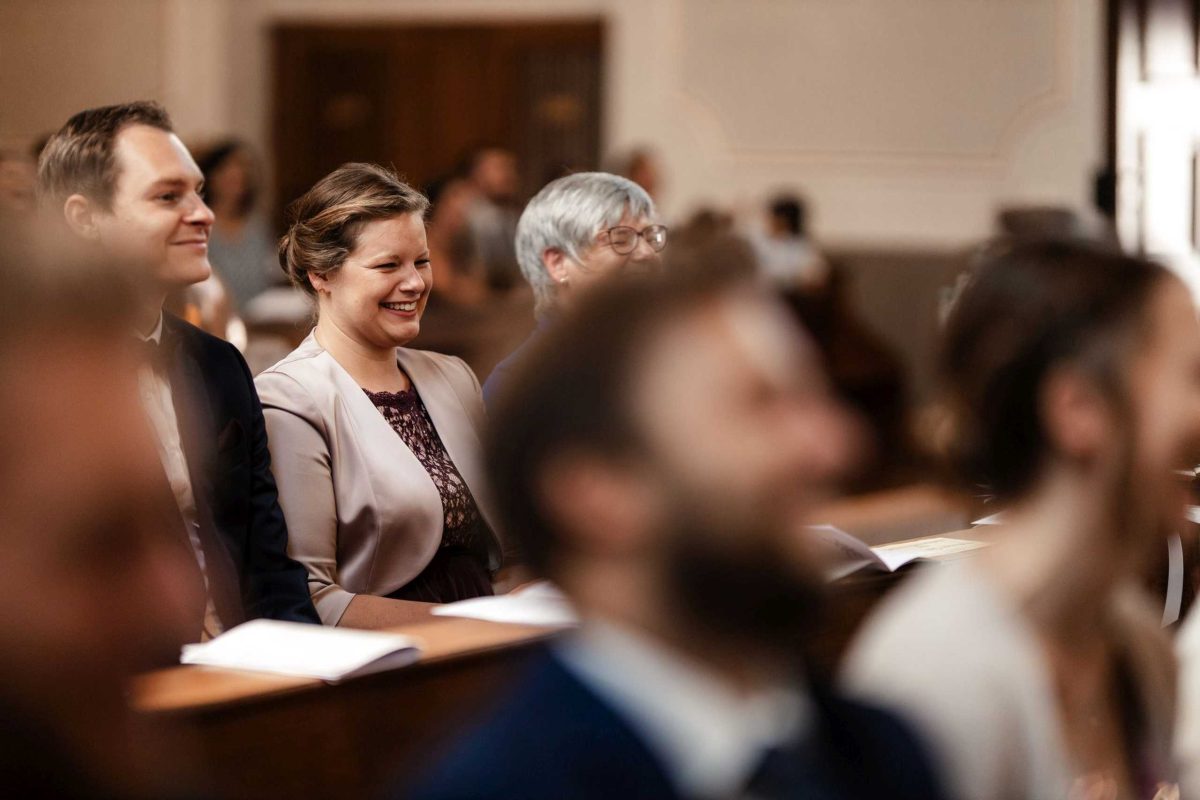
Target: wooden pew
271,736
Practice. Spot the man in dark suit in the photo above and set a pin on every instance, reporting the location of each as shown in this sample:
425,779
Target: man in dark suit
657,454
125,183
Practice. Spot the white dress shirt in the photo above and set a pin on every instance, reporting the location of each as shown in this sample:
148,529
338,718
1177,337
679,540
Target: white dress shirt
709,736
159,405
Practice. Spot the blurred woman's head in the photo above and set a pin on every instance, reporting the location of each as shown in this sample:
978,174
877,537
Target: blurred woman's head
231,178
1059,355
356,242
581,228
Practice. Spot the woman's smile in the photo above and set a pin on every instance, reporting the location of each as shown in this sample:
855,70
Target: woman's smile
405,308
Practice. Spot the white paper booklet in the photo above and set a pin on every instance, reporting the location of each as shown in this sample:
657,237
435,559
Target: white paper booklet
846,554
310,651
538,603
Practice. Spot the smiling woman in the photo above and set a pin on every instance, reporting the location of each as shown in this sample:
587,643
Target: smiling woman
375,299
375,446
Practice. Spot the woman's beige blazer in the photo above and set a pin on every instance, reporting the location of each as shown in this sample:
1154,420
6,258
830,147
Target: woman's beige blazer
363,515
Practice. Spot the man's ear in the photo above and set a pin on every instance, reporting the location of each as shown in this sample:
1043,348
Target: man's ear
555,261
1076,417
80,214
603,508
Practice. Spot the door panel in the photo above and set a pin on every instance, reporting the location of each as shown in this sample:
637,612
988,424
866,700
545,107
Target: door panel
417,97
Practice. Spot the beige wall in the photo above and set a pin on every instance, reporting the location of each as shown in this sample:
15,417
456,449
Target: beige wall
60,56
907,121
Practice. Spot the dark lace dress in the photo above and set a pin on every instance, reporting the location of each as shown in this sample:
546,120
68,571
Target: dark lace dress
459,569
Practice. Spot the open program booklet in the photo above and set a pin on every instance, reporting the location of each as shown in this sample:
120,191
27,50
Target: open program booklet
845,554
309,651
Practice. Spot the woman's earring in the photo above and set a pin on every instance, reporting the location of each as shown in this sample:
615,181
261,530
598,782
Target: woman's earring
562,281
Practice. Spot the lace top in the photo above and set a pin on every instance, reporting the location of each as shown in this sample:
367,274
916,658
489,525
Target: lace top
462,525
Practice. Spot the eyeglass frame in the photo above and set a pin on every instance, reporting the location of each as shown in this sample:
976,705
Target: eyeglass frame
636,236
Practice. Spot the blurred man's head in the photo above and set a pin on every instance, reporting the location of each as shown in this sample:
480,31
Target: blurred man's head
493,170
93,587
124,182
662,447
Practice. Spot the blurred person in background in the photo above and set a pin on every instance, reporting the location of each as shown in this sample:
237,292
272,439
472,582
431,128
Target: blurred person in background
707,241
18,186
492,217
97,582
240,245
126,186
376,446
657,453
465,317
640,165
786,255
576,232
1038,668
208,306
451,246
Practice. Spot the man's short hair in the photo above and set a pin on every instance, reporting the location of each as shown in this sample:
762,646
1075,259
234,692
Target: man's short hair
571,394
79,158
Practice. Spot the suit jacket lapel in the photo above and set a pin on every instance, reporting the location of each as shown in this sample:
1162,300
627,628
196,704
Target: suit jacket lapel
198,436
189,394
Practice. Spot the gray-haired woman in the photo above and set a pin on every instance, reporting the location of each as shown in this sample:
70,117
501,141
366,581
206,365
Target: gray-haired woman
576,231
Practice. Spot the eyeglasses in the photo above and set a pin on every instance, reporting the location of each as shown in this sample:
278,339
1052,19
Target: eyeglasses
624,240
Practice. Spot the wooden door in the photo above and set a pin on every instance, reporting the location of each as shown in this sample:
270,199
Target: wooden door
418,96
1155,127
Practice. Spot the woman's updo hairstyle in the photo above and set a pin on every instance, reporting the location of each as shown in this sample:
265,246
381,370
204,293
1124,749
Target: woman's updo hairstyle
323,224
1028,307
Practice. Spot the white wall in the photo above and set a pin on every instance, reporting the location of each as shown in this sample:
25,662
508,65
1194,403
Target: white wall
907,121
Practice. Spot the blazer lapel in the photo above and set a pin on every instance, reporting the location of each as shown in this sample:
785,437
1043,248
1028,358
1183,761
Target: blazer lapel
365,416
449,418
198,434
452,423
190,398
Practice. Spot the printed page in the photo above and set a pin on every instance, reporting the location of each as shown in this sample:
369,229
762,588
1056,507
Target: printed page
292,648
539,603
843,553
935,547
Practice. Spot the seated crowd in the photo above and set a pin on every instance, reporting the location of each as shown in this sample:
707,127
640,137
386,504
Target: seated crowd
656,447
